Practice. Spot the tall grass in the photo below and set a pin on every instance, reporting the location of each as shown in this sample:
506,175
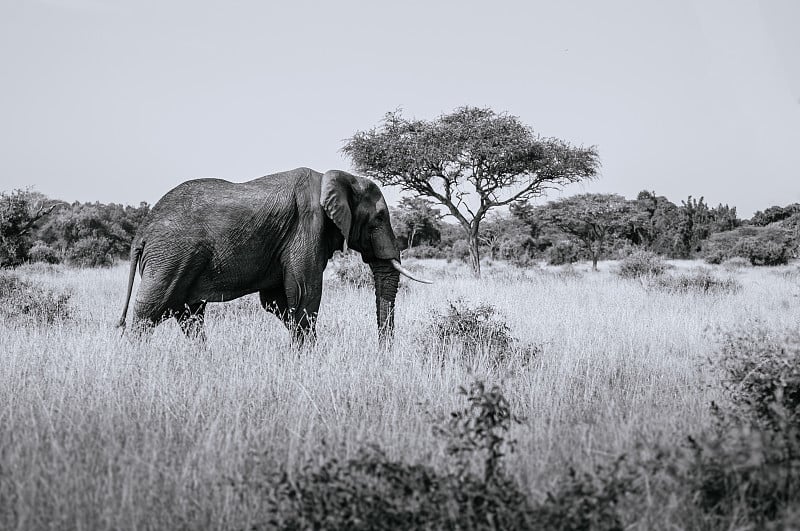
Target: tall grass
98,432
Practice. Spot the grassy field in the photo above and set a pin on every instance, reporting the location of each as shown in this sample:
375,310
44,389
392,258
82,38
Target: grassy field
97,432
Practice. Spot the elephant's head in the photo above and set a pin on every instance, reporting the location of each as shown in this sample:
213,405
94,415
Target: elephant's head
357,207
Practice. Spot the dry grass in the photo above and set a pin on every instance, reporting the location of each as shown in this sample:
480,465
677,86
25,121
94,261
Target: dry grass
101,433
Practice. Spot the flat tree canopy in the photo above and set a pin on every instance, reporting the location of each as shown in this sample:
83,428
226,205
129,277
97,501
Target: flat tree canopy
591,219
469,161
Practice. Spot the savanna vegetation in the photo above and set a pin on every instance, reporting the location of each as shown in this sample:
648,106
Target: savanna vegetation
648,395
621,364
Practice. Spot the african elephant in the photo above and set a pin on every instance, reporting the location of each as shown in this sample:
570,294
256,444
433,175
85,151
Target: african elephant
210,240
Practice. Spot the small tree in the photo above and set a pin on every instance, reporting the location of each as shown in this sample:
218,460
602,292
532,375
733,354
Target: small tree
469,161
415,221
592,219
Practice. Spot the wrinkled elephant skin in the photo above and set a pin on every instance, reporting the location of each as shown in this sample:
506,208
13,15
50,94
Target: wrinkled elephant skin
210,240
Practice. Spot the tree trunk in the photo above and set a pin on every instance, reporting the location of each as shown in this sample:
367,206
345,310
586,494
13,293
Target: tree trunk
474,252
594,261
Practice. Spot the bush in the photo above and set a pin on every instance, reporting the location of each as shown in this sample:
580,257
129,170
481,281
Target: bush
371,491
562,253
41,252
590,500
761,246
479,330
745,471
91,252
761,376
642,264
349,270
23,300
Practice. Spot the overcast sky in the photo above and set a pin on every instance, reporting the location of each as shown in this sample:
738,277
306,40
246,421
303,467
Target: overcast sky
120,101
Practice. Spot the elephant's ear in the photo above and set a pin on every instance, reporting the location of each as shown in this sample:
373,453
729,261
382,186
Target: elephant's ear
334,198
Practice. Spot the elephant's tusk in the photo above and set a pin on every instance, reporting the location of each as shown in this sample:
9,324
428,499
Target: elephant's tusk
406,272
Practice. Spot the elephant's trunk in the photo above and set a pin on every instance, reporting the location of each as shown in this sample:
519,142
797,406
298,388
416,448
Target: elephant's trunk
386,280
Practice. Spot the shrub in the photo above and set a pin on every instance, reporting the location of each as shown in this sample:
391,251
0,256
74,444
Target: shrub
761,375
41,252
23,300
764,253
642,264
91,252
478,329
562,253
348,269
372,491
480,429
761,246
741,474
744,472
590,500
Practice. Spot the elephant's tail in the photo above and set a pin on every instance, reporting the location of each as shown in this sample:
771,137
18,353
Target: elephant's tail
136,254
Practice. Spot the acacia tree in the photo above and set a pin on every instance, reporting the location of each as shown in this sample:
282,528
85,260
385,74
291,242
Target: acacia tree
592,219
469,161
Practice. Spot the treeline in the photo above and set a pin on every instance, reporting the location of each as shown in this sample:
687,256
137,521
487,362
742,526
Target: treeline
604,226
592,227
34,228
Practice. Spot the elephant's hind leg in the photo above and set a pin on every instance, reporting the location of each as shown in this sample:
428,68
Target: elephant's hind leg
192,320
164,288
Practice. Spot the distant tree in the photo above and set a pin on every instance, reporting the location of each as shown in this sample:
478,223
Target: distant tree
699,222
762,246
20,210
507,237
469,161
416,221
108,227
657,225
590,219
693,227
774,214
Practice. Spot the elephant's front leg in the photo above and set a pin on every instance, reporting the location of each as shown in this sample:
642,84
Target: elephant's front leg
303,296
299,325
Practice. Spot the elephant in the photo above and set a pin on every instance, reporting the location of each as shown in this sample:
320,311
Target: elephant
211,240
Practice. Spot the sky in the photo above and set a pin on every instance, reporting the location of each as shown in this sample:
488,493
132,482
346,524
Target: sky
119,101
